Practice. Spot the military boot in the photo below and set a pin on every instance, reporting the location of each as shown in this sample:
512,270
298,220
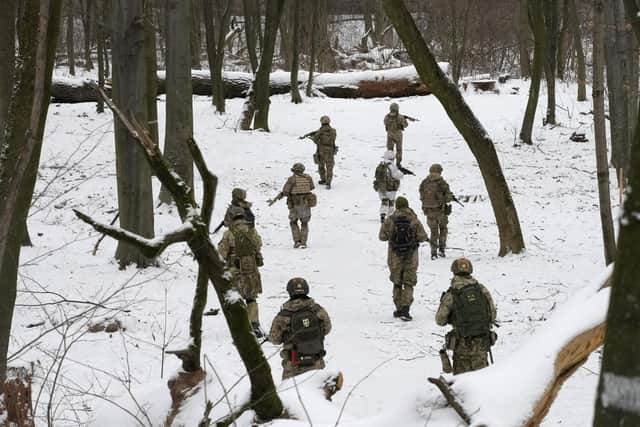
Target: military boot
404,314
257,330
434,255
441,253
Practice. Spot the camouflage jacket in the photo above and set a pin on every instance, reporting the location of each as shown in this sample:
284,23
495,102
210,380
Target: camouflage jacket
297,184
387,228
244,205
434,191
395,122
443,315
325,136
280,328
226,247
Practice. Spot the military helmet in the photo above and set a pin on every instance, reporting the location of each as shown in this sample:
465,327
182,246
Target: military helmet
461,267
238,194
297,287
435,168
402,203
325,120
394,108
297,167
236,212
389,155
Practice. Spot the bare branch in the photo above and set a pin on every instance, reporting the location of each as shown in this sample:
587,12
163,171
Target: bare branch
209,181
443,386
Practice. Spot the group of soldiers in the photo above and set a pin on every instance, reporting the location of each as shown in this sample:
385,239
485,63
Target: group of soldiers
302,324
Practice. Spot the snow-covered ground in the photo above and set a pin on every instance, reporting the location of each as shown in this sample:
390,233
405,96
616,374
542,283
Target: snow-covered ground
106,379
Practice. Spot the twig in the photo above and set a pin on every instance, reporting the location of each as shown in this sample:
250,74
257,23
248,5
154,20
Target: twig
451,399
306,413
224,389
95,247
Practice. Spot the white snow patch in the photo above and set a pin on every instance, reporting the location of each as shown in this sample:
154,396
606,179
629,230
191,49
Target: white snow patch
232,296
621,392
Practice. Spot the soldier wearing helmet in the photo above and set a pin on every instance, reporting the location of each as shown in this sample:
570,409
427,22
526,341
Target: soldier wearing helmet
300,200
300,326
239,200
467,306
436,198
326,149
395,123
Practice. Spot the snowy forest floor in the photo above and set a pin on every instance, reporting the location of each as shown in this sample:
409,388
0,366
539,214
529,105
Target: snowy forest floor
554,188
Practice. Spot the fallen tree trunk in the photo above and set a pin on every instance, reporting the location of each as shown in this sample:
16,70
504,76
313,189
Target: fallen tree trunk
393,83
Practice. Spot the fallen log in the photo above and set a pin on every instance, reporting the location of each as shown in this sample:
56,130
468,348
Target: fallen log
392,83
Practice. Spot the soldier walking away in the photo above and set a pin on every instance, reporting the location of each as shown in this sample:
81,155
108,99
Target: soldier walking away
395,123
387,184
301,326
240,248
404,232
239,199
300,200
326,149
467,305
436,198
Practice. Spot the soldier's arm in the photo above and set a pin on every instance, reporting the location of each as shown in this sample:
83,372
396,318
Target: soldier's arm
288,186
257,239
492,306
311,182
276,334
386,122
227,217
326,320
421,233
224,247
448,195
403,122
384,233
333,137
442,315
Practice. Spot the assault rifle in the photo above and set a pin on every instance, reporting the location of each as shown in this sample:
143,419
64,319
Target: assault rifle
273,201
218,227
405,171
457,201
411,119
309,135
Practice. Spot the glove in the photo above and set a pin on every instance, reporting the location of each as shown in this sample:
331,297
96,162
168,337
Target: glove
335,150
259,260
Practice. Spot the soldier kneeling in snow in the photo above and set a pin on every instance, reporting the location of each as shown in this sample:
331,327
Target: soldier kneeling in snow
467,305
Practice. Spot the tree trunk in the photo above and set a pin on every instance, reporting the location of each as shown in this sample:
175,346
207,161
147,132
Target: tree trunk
574,27
524,36
312,53
130,90
215,37
467,124
600,135
100,50
326,57
151,69
551,27
562,47
21,151
105,22
196,35
87,13
71,57
261,86
179,108
251,10
295,55
7,65
536,19
369,33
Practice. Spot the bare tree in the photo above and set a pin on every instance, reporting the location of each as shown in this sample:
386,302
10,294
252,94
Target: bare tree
216,22
253,34
71,56
87,18
574,27
100,47
135,199
536,20
179,116
20,153
551,45
151,72
295,54
470,128
7,65
196,35
314,47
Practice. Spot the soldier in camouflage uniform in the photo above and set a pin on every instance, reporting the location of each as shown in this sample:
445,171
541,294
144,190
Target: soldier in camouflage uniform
239,199
325,140
395,123
240,248
300,326
404,232
387,184
436,196
467,305
300,200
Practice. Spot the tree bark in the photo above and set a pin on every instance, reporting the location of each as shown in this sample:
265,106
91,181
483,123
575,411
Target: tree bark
151,71
600,135
536,19
215,37
314,44
473,132
87,13
100,50
7,65
179,108
524,36
20,153
196,35
574,27
71,56
369,33
295,55
251,10
551,46
261,85
130,90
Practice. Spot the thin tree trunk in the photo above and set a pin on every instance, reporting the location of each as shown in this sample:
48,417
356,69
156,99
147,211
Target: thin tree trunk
261,86
7,64
71,57
524,35
600,134
196,35
551,27
369,32
326,57
295,55
215,38
87,12
179,109
574,27
251,10
470,128
536,19
130,89
312,53
100,50
105,22
151,64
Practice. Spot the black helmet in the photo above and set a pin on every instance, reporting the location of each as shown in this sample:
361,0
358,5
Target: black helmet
435,168
238,194
297,287
462,267
236,212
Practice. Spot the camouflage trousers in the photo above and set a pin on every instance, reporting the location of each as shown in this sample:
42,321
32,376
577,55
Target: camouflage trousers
437,222
470,355
394,139
249,286
301,214
326,162
404,276
290,370
387,202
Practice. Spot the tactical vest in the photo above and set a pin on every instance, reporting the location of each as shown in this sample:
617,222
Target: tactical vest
324,138
471,316
403,239
301,185
393,123
384,179
306,334
244,252
431,195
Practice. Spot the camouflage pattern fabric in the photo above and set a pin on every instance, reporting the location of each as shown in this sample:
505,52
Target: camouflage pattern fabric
236,203
437,222
296,190
281,327
395,124
403,270
325,139
471,353
435,194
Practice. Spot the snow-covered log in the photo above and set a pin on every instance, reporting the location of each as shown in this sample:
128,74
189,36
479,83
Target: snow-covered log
392,83
530,378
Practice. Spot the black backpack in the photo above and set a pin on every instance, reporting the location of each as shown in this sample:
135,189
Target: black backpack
307,335
403,240
471,317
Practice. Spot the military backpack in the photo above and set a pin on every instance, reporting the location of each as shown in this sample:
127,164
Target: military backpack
471,316
307,335
384,181
403,239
